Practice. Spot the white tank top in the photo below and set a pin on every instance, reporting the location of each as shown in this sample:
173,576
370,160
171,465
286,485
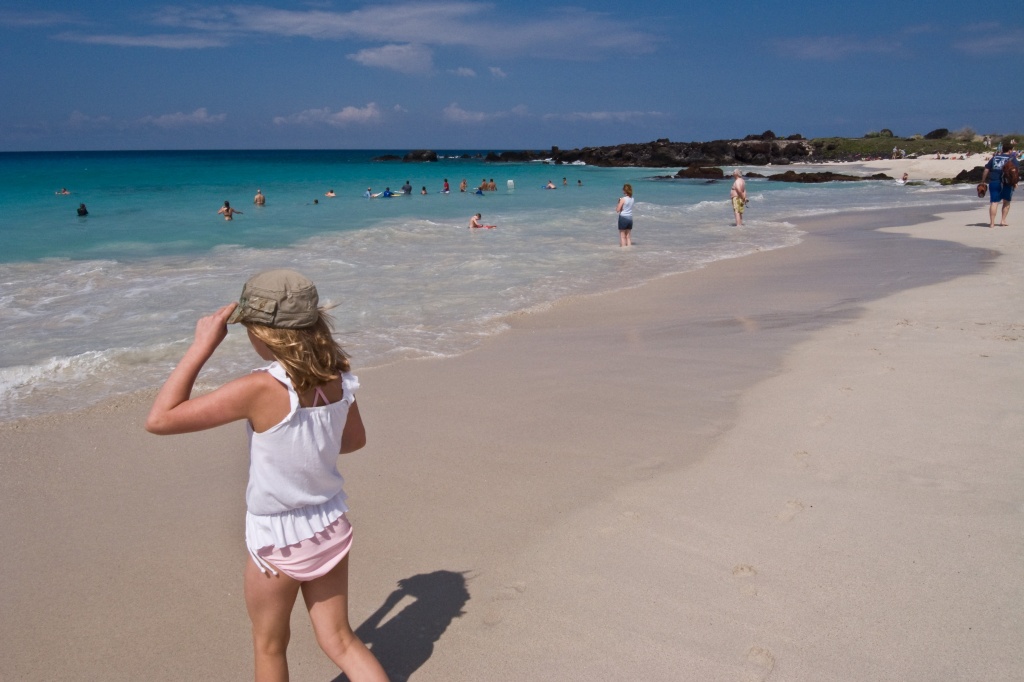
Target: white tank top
295,489
627,207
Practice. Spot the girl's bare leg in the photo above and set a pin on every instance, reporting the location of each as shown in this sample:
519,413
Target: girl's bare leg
327,601
269,600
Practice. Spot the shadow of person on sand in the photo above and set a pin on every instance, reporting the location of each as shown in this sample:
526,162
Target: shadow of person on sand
406,641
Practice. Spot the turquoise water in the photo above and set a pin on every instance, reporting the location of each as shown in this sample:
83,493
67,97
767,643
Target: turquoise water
98,306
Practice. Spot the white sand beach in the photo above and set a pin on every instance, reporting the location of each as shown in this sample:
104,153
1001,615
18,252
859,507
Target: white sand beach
799,465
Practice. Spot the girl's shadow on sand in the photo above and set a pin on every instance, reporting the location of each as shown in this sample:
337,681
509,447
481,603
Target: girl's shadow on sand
406,641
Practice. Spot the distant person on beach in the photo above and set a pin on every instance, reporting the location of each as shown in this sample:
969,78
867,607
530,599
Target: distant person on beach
550,185
474,222
368,194
447,189
407,188
579,183
462,185
423,190
483,185
738,194
82,210
62,190
625,211
330,193
227,211
300,414
904,179
387,193
565,183
259,199
998,192
492,186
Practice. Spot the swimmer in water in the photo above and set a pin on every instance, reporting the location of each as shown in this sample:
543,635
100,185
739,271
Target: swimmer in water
474,222
227,211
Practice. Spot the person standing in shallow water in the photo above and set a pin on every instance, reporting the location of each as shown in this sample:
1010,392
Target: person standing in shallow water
738,193
227,211
625,211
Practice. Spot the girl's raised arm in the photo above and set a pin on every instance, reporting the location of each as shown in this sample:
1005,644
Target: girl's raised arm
354,435
174,411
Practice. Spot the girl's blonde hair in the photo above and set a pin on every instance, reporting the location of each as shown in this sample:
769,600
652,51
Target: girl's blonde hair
310,356
628,189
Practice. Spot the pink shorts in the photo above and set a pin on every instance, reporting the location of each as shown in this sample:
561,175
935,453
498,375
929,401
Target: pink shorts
315,557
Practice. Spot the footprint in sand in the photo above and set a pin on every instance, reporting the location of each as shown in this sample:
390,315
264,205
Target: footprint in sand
801,457
822,421
793,507
759,664
624,520
745,571
495,611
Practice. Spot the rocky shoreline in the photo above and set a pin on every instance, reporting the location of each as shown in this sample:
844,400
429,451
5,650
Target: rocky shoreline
697,160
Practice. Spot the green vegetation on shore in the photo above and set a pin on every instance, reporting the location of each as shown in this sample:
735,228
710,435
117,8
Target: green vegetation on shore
842,148
880,144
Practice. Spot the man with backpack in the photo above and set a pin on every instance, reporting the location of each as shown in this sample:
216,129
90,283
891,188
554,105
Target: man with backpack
1002,173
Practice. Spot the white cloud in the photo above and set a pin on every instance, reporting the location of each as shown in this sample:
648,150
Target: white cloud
987,41
497,73
179,119
453,112
464,71
79,120
349,115
402,58
603,116
573,33
167,41
15,18
831,48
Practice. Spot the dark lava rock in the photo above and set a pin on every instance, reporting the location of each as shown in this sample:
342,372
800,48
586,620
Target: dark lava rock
420,155
515,156
387,157
972,176
703,172
937,134
827,176
663,153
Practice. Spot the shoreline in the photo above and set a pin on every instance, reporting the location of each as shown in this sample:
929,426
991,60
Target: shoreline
616,483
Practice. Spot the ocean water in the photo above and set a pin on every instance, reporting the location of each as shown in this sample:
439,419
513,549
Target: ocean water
105,305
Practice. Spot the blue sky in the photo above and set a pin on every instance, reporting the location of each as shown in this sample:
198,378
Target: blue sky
519,74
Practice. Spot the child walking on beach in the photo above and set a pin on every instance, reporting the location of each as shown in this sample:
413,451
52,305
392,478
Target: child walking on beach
300,414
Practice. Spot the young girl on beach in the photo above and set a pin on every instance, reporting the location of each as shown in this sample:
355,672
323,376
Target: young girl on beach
300,414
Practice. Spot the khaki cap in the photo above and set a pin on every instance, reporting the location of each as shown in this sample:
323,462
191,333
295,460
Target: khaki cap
282,299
